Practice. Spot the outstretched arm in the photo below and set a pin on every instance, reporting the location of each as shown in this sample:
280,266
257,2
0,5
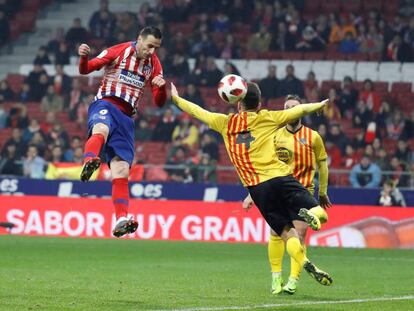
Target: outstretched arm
215,121
87,66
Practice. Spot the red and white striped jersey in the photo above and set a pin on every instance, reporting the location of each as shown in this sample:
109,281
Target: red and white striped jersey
125,74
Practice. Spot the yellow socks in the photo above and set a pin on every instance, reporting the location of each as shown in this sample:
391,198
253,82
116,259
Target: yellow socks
276,249
296,251
320,213
295,268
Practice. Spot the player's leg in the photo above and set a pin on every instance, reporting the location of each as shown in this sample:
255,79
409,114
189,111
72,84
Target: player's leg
293,245
321,213
276,249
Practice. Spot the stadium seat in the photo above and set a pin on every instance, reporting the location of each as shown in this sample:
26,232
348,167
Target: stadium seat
257,69
356,57
381,86
367,70
342,69
389,72
369,5
323,70
314,55
407,71
391,6
292,55
302,68
326,85
401,87
312,6
330,6
351,5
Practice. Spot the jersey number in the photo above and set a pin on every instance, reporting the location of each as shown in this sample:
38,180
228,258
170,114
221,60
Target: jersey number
245,138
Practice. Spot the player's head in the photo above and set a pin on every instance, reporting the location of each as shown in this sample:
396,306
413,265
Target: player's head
149,40
292,100
251,102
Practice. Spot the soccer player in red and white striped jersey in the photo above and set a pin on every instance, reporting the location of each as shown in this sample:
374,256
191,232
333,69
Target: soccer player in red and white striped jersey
129,67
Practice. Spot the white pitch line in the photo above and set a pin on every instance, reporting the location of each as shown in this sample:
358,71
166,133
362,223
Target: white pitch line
303,303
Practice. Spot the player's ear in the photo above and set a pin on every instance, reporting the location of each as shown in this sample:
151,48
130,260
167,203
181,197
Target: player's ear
259,106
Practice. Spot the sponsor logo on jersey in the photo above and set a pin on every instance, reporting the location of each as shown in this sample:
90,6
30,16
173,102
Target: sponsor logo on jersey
103,111
283,155
303,141
146,70
132,79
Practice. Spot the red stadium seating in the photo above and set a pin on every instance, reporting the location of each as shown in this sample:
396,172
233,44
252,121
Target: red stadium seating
401,87
351,5
330,6
369,5
381,86
312,6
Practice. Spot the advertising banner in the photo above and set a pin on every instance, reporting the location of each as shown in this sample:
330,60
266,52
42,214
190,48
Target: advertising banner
348,226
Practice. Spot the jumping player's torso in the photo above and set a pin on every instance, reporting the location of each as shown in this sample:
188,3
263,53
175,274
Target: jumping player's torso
126,76
296,149
249,140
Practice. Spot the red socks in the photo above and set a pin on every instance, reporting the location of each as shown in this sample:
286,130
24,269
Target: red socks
120,196
93,146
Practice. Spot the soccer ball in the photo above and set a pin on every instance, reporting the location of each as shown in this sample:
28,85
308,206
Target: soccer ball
232,88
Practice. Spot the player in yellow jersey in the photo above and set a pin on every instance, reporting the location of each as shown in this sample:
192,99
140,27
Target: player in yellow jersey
303,150
249,139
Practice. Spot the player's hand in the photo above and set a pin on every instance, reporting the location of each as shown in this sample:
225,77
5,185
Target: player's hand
158,81
324,201
84,49
248,203
325,102
174,91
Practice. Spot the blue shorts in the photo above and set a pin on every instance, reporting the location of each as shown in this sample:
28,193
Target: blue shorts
120,140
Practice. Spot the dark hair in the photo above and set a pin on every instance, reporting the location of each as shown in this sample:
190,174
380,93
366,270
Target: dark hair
151,30
293,97
252,99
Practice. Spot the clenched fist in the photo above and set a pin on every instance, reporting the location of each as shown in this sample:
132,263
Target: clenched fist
84,50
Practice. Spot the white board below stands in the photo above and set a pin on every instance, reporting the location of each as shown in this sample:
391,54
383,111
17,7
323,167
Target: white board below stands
70,70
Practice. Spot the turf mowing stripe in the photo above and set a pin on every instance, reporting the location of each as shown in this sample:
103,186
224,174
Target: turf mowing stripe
304,303
367,258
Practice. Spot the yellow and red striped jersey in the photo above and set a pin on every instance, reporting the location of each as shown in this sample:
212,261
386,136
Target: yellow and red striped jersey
249,138
301,150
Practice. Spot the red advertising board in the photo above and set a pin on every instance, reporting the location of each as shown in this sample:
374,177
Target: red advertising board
348,226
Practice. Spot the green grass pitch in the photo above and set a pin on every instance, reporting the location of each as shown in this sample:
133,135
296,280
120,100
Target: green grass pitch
91,274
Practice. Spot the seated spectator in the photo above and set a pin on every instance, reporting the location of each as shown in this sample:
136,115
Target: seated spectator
339,29
33,78
82,110
77,155
338,137
62,54
311,88
76,34
373,42
365,174
25,95
56,154
178,12
311,41
408,132
10,162
370,96
185,133
58,135
231,49
61,82
211,75
143,132
16,140
291,84
204,45
4,29
6,93
382,117
350,159
408,35
39,141
18,116
192,94
332,112
39,90
76,96
54,43
390,195
403,152
179,66
41,57
382,160
206,170
33,164
281,40
127,25
347,97
47,124
361,115
69,154
334,154
260,41
348,44
209,146
178,166
400,174
221,23
395,125
102,22
398,50
31,129
51,102
165,126
359,140
270,85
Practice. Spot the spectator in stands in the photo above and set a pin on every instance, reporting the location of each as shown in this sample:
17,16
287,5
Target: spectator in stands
17,141
39,90
260,41
179,66
359,140
76,34
361,115
231,49
373,42
230,68
54,43
6,93
69,154
338,137
270,86
348,44
206,170
177,13
403,152
102,22
76,96
33,164
127,25
10,162
192,94
52,101
398,50
390,195
339,29
32,128
211,75
291,84
39,141
408,34
18,116
4,29
371,97
400,174
281,40
25,95
334,154
180,172
204,46
310,41
208,145
351,158
143,131
323,132
347,97
311,88
165,126
62,54
41,57
77,155
382,117
332,112
221,22
56,154
58,133
185,133
382,160
365,174
61,82
395,125
34,76
408,132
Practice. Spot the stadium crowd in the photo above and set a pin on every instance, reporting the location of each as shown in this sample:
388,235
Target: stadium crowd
365,130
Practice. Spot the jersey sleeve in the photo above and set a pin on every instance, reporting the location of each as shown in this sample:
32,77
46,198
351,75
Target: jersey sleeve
215,121
105,58
159,94
281,117
319,147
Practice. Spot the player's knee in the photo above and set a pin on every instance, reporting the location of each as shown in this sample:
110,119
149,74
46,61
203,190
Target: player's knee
119,169
101,128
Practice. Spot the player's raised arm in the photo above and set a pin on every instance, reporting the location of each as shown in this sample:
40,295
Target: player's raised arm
87,66
215,121
282,117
